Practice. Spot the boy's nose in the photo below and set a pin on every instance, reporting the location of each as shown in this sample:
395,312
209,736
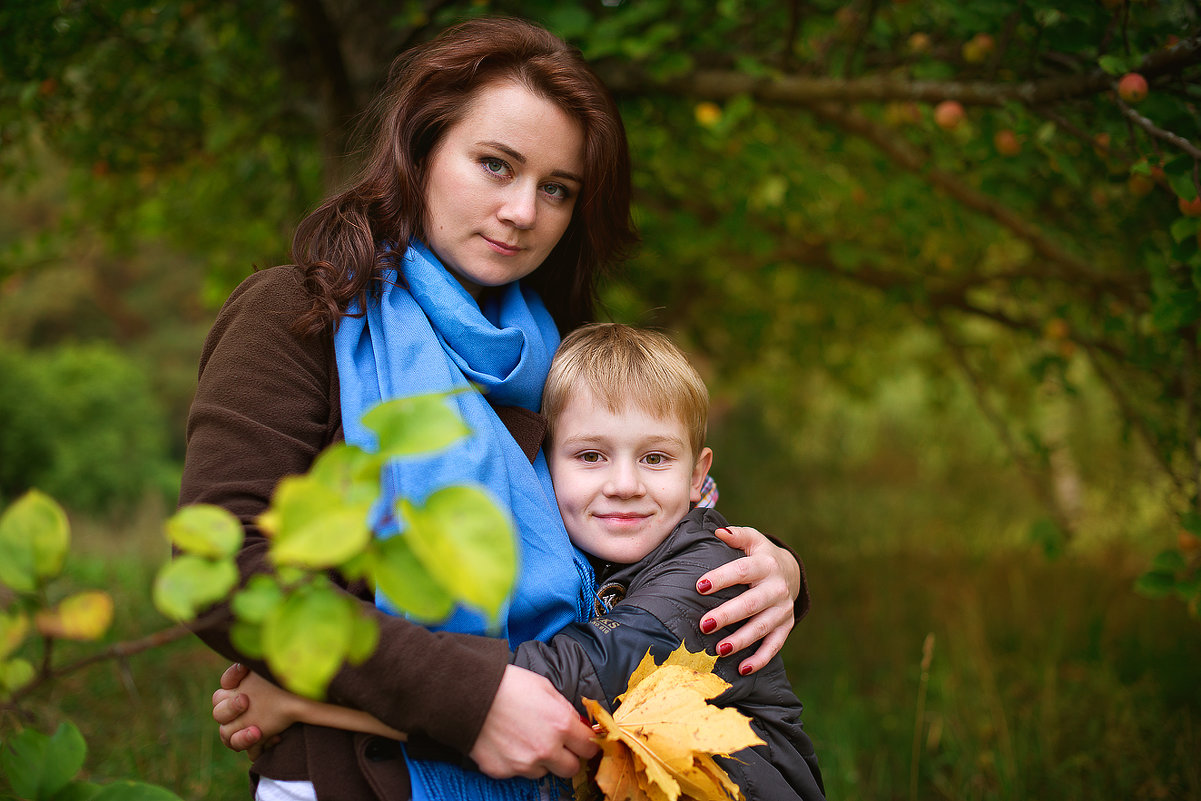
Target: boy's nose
624,481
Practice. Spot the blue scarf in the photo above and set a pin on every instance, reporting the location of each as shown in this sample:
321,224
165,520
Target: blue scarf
426,334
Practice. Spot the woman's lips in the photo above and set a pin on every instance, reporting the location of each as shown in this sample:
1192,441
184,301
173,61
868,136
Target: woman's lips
501,247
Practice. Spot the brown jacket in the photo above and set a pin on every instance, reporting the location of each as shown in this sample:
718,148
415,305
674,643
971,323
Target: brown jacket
266,404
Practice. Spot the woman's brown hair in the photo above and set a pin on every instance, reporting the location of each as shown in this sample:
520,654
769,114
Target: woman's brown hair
428,89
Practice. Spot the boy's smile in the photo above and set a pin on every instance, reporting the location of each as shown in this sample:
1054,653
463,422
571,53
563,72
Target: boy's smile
623,480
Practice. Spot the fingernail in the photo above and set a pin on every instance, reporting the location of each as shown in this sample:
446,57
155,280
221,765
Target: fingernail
745,670
724,649
704,585
708,625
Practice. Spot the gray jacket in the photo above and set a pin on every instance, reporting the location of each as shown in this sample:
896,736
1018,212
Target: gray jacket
654,604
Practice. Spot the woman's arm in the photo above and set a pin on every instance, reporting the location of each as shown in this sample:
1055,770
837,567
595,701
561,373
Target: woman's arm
266,404
252,711
775,598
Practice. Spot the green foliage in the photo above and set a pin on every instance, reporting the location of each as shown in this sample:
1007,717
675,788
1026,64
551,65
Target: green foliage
34,543
456,547
81,424
294,618
42,767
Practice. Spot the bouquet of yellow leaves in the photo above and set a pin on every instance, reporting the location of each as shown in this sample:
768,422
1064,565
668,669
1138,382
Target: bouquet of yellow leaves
660,742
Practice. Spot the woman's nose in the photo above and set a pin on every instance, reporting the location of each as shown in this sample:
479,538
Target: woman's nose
520,208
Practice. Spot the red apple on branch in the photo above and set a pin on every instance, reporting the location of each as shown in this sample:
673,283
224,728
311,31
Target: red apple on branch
948,114
1132,88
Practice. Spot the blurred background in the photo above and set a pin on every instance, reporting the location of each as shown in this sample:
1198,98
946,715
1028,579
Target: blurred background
938,262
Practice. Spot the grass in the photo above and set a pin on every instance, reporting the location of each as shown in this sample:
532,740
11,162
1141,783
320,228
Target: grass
1047,679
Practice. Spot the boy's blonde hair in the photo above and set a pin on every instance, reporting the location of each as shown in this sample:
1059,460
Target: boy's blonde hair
622,365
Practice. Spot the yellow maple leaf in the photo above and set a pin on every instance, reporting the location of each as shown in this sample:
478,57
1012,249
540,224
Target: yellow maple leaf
660,742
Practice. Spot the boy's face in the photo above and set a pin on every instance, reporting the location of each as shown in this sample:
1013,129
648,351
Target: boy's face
623,480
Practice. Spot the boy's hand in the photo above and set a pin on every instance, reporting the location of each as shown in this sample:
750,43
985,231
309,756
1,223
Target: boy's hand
767,605
239,731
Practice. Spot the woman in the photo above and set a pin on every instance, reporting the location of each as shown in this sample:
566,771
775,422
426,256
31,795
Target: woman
496,191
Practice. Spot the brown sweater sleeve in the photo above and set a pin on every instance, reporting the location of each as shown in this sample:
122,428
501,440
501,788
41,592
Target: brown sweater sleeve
266,404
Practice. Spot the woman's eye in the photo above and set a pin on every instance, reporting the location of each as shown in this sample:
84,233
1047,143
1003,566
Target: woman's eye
556,191
495,166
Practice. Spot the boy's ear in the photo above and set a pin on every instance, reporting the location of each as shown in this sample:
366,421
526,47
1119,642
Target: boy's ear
703,462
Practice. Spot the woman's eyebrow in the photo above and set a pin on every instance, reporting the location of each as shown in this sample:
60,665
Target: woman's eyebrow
520,159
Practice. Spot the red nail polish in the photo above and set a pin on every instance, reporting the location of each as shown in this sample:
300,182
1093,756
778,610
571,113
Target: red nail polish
708,625
704,585
724,649
745,670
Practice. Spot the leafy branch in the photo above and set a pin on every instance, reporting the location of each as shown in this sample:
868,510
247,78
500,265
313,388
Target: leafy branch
292,616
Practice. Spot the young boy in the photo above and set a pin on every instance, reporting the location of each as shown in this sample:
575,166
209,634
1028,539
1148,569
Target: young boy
627,415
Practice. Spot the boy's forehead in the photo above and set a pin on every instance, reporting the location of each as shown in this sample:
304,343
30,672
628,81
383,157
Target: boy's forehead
625,405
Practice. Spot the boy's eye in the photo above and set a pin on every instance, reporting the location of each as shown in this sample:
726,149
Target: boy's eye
590,456
654,458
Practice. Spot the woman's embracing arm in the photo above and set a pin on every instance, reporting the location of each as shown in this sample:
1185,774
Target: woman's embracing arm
775,598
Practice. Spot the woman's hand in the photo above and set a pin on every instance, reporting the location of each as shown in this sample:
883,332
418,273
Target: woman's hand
531,729
766,606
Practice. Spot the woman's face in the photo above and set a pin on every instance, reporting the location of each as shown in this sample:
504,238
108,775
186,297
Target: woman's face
501,186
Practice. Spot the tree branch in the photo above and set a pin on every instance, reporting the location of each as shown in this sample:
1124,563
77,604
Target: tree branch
1128,413
806,91
912,160
1157,132
120,650
1037,482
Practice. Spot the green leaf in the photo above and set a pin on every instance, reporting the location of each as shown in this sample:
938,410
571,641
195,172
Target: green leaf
255,601
190,583
126,790
247,638
1155,584
38,766
1168,561
349,471
1181,179
34,537
1114,65
364,636
1191,521
77,791
466,543
15,674
307,637
205,530
1184,227
13,627
410,426
315,527
407,584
